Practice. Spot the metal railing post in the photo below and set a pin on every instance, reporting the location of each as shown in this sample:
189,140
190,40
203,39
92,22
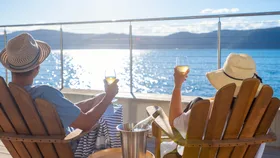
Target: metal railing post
219,45
61,57
130,58
5,42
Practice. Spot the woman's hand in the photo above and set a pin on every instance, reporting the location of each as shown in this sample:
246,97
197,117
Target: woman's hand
180,77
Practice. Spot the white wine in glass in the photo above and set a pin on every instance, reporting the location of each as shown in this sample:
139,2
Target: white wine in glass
182,64
110,77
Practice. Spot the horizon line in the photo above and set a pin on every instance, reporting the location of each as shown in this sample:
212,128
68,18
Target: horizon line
273,27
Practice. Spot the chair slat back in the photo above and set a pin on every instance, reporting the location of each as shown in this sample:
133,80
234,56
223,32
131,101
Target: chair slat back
239,113
229,118
217,121
241,119
14,119
21,115
264,125
31,117
11,147
254,117
198,118
54,126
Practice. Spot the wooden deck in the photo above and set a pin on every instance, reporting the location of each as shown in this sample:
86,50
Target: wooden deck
270,152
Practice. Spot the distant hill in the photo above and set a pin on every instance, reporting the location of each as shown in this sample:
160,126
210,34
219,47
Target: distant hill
230,39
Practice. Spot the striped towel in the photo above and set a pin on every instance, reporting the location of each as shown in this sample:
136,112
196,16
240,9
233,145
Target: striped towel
105,136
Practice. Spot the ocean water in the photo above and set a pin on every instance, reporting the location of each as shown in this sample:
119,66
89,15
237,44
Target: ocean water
152,69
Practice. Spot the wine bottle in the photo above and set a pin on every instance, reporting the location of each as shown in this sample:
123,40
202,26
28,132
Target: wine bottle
142,125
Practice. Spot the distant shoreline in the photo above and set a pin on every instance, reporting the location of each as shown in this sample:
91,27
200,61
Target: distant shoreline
230,39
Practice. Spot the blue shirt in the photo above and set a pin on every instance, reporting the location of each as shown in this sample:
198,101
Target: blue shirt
67,111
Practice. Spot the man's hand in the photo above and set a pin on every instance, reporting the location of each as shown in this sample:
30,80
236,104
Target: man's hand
111,89
180,77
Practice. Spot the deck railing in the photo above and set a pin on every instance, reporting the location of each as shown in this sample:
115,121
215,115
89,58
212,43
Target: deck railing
133,21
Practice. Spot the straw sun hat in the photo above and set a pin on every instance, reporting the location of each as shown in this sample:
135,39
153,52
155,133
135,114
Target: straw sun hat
23,53
237,67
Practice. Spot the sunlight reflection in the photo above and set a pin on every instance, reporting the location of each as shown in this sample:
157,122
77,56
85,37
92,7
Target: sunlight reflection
91,70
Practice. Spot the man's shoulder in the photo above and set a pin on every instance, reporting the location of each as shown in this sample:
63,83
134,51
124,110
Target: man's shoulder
47,90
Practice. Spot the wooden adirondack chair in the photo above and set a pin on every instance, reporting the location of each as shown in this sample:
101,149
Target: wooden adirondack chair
247,123
32,128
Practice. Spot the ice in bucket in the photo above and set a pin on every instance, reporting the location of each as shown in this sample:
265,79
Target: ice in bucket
134,143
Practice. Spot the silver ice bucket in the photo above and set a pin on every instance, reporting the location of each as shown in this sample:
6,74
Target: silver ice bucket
134,144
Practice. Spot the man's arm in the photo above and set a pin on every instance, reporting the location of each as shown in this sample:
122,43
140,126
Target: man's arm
88,104
86,120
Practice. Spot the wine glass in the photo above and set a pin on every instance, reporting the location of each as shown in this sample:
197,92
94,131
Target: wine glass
110,77
182,64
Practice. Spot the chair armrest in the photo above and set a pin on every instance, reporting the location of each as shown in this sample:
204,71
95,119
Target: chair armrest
270,137
156,132
78,133
44,139
165,138
31,138
161,121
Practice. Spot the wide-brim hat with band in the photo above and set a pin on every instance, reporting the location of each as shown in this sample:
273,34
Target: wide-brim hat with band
23,53
237,67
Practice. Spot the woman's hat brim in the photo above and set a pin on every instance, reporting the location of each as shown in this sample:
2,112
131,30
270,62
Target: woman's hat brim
218,79
44,53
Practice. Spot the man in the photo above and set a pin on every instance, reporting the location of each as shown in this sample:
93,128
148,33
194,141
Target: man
23,56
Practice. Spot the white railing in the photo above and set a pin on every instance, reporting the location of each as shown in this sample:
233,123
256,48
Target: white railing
130,21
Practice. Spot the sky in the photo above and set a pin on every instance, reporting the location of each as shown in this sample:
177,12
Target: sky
46,11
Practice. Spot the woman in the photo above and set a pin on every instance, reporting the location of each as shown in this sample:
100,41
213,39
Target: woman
236,68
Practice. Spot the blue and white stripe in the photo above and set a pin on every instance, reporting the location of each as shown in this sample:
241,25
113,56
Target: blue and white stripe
105,136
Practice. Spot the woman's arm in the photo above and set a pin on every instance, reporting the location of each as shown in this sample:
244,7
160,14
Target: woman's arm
175,108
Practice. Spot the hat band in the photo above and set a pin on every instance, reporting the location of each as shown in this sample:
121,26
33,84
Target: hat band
34,61
258,77
239,79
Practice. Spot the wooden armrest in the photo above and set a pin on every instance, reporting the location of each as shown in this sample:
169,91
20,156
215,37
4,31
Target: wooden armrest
44,139
162,122
165,137
228,143
156,132
31,138
74,135
78,133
